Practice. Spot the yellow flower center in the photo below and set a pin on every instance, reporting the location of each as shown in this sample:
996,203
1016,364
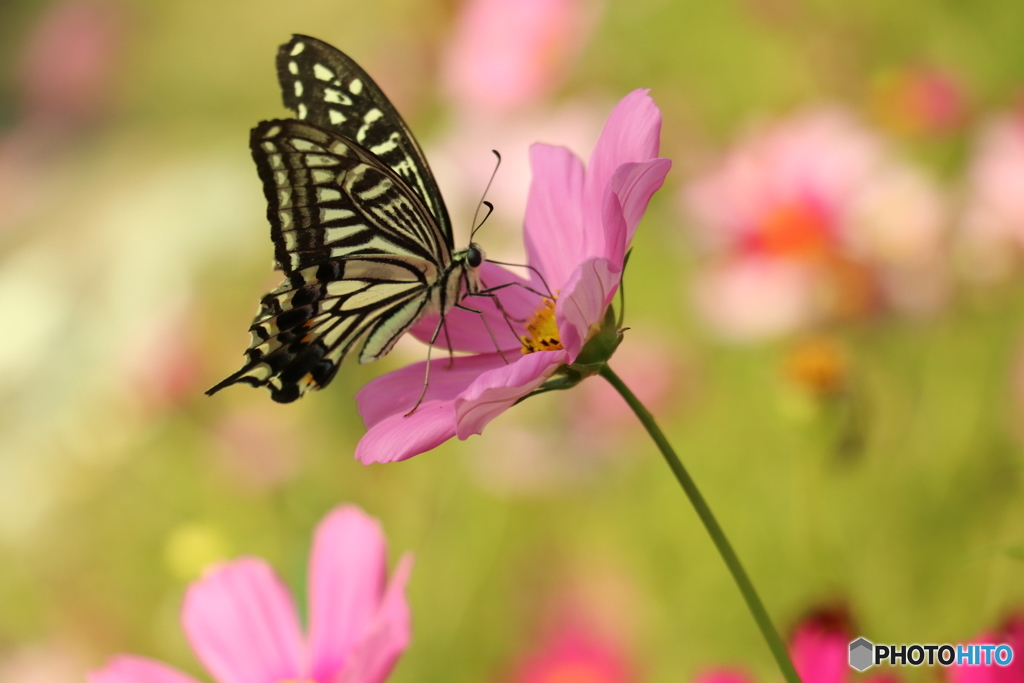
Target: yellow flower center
541,329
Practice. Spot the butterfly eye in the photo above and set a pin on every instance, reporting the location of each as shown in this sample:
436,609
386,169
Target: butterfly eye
475,256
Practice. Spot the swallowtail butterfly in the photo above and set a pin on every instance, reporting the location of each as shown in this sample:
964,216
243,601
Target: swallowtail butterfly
358,224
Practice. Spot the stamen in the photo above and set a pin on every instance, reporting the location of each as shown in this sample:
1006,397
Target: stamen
542,329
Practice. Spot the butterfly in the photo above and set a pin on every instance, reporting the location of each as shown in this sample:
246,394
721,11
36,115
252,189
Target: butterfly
359,228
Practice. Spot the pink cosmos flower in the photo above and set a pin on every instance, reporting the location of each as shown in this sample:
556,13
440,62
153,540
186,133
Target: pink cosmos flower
504,55
579,223
242,623
574,655
812,219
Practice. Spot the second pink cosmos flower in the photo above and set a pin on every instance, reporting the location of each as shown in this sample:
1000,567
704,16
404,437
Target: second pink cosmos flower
579,223
242,623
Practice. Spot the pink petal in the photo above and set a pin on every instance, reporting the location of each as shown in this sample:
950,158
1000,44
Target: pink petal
631,134
397,391
467,332
376,654
497,390
397,437
820,652
633,184
241,623
132,669
554,230
974,674
346,581
581,307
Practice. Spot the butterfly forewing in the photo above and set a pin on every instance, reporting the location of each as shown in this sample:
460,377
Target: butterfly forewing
323,86
328,199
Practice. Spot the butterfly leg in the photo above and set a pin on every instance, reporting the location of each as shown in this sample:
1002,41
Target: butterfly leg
497,346
426,374
531,290
530,268
501,309
448,343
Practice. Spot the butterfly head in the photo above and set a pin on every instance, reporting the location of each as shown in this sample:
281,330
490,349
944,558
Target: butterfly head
475,255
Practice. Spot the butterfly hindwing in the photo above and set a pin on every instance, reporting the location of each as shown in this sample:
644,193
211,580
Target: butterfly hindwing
328,199
323,86
307,325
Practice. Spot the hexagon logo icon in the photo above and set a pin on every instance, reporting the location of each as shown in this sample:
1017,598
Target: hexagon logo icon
861,651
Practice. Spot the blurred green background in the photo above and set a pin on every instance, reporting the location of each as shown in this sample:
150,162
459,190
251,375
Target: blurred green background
133,250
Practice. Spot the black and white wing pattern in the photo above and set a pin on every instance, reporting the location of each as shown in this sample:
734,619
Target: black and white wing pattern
324,87
362,254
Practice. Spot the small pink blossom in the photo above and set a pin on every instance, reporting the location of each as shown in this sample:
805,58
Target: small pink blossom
920,100
574,655
172,382
819,647
579,223
1011,633
242,624
993,224
259,449
69,62
505,55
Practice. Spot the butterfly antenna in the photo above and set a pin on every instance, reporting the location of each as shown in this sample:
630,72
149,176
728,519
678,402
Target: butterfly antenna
490,207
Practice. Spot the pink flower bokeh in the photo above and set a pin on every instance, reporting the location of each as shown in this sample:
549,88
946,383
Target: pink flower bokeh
243,627
1010,633
921,100
506,55
814,218
579,223
991,235
70,62
572,654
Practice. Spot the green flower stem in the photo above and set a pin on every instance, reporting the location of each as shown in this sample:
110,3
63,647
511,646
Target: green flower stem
764,622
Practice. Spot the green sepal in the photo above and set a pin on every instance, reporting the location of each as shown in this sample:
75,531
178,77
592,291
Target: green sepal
596,352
